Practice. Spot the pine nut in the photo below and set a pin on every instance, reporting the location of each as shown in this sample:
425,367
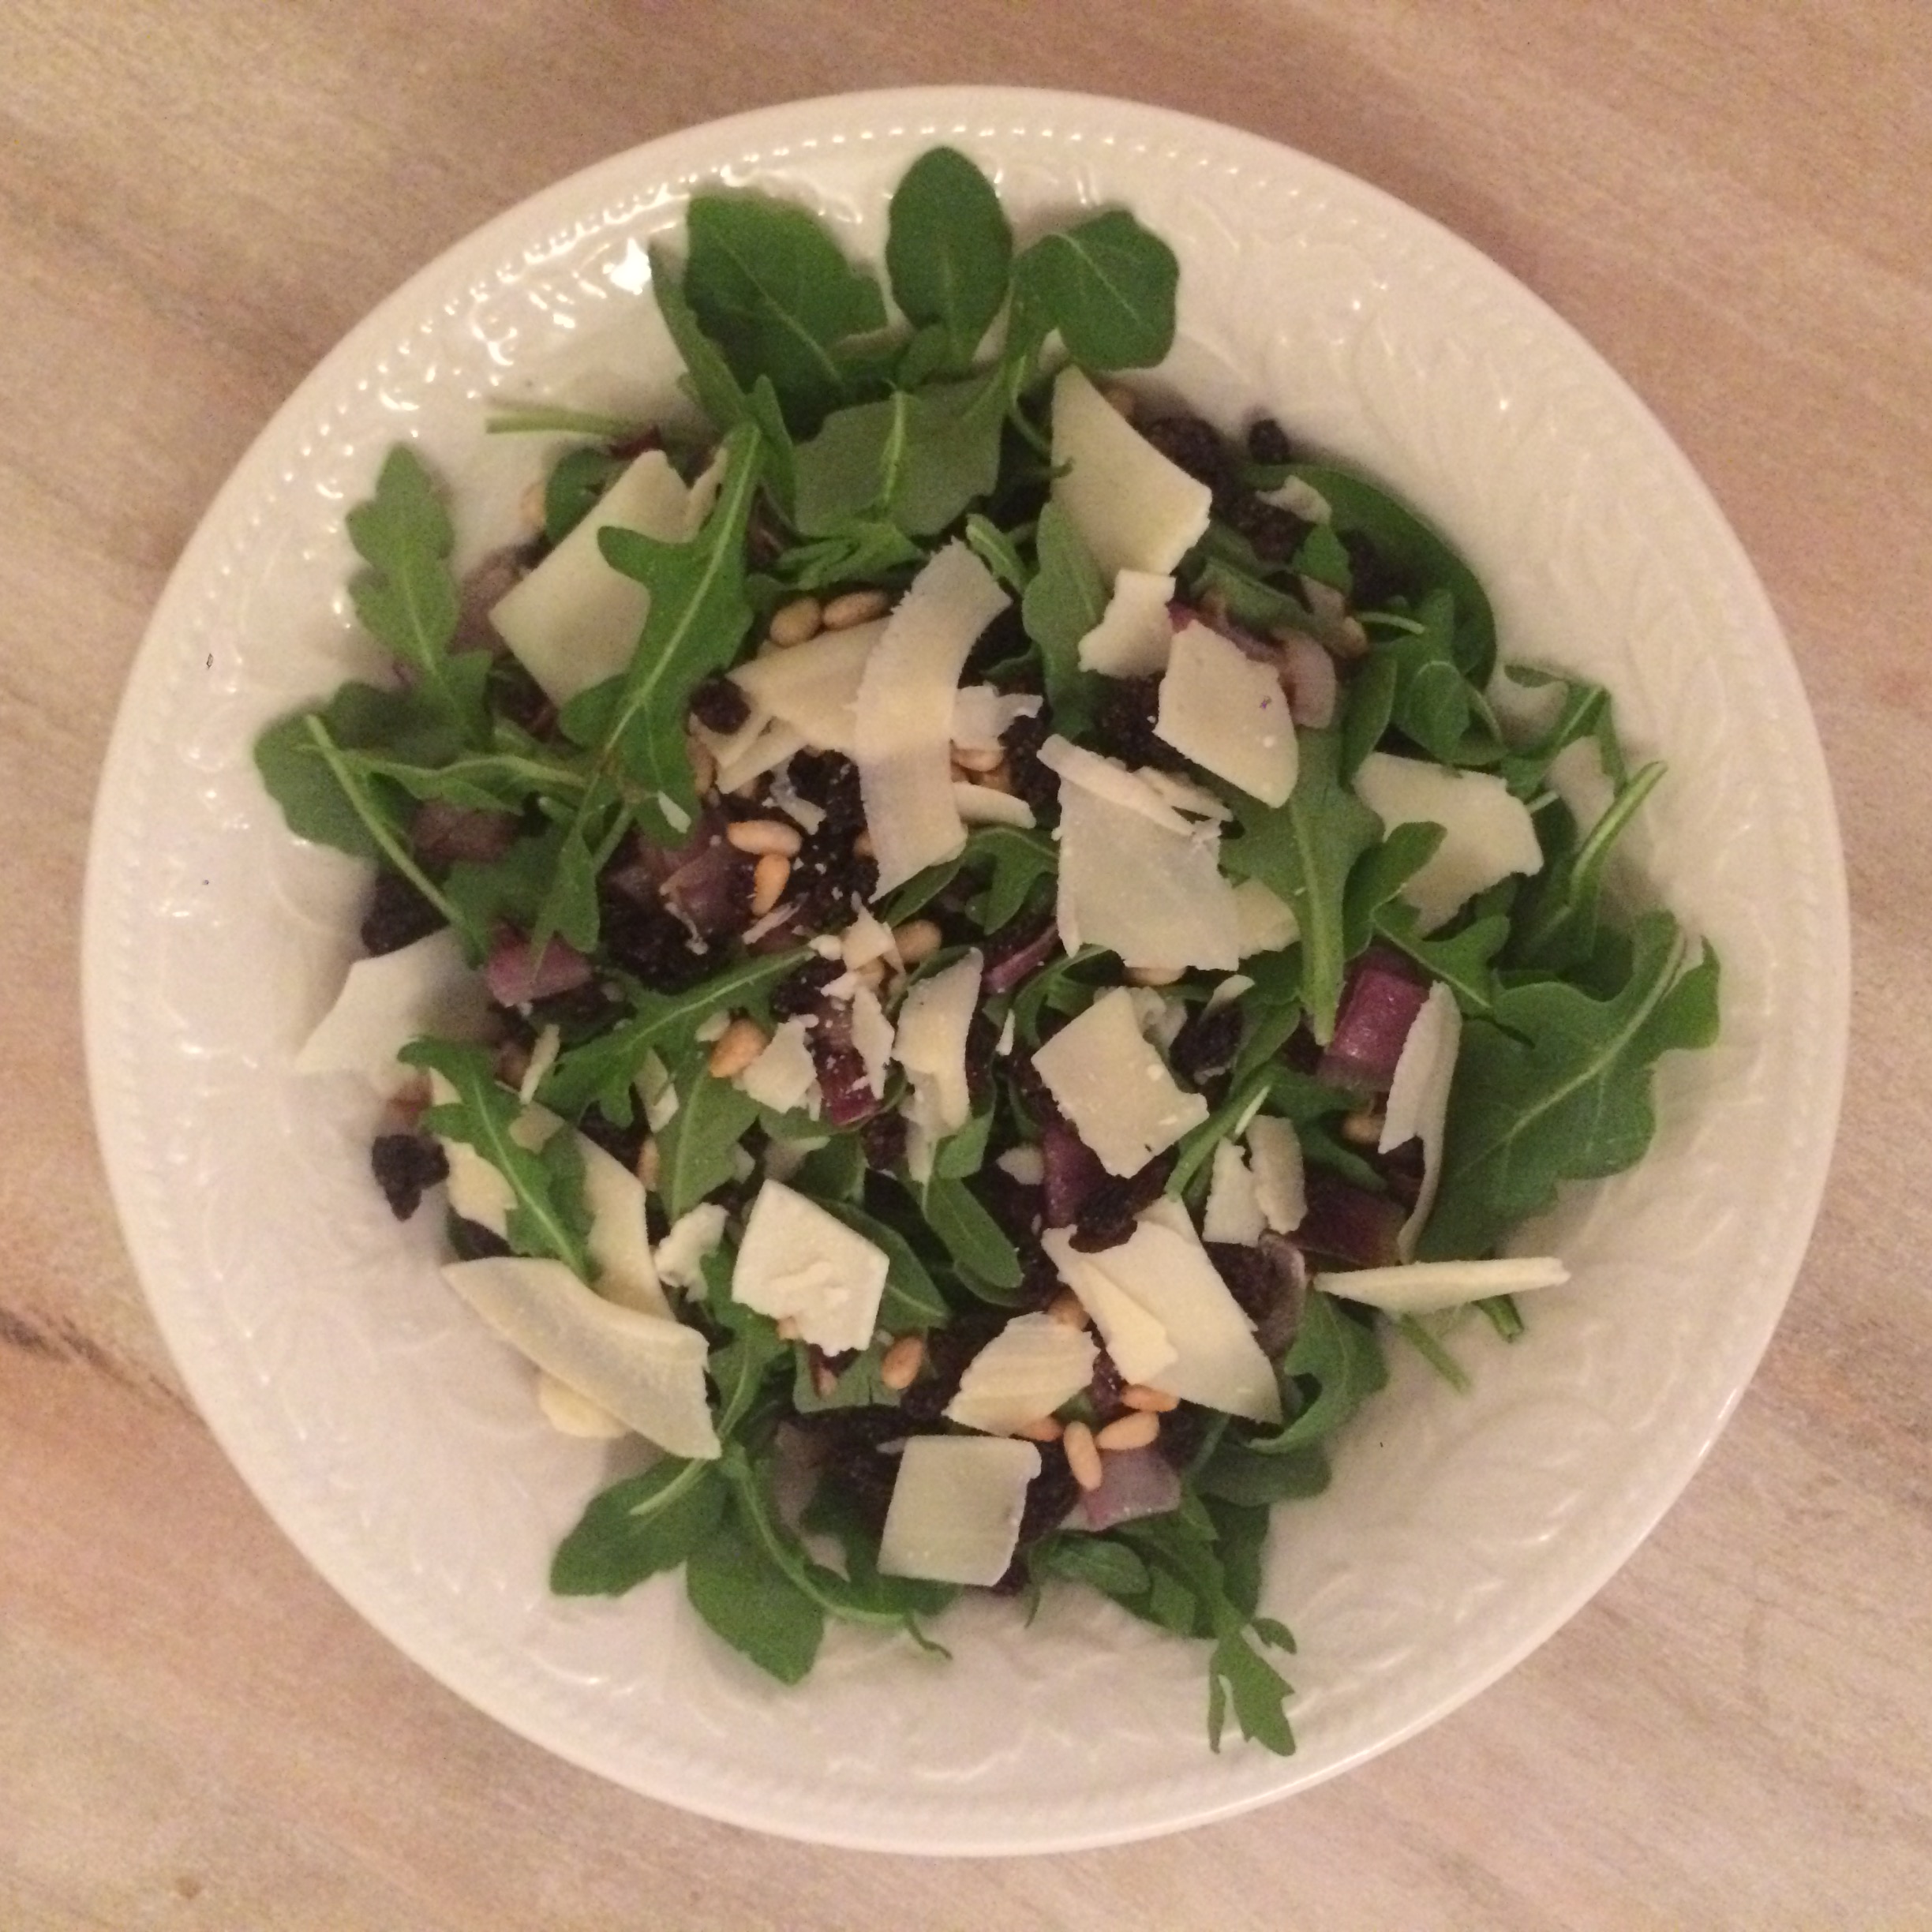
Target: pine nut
825,1378
1157,1401
1154,976
648,1163
856,607
703,766
738,1045
1044,1429
1129,1432
796,623
977,759
511,1063
1362,1128
917,939
1066,1309
530,508
1083,1457
769,879
899,1365
758,835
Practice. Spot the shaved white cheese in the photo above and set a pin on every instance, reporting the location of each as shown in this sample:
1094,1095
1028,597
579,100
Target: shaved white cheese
680,1255
1280,1180
978,804
543,1057
1134,508
982,714
1182,794
784,1075
1228,714
1007,1033
1027,1371
655,1087
573,621
1303,499
954,1517
813,687
1234,1212
1136,878
1024,1163
1418,1101
1134,632
802,813
1422,1287
1228,991
1164,1270
1114,1087
647,1371
868,938
1264,921
1103,778
1488,833
931,1045
618,1241
796,1259
571,1414
1136,1340
872,1036
903,738
390,999
767,750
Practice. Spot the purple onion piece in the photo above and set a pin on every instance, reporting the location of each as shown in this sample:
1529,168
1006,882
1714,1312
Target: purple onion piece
1007,970
1378,1006
711,892
441,833
1074,1174
1348,1224
847,1093
1133,1482
517,974
1310,677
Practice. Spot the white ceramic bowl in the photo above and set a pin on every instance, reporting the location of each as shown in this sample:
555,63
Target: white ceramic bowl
397,1444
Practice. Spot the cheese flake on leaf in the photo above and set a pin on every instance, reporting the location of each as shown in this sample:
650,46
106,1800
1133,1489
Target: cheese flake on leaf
391,998
796,1259
1136,633
1425,1287
813,687
930,1044
954,1517
1228,714
680,1255
902,741
981,805
1134,508
1487,832
1280,1177
1233,1210
646,1370
784,1075
1027,1371
1134,1339
1114,1088
1264,921
1418,1101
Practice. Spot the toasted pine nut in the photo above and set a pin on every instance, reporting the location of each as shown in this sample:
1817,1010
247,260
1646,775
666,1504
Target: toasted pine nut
795,623
738,1045
917,939
977,758
1153,975
704,766
511,1063
1066,1309
530,508
1129,1432
1044,1429
856,607
899,1365
999,779
862,847
824,1379
1362,1128
787,1327
647,1166
1083,1457
769,878
763,835
1157,1401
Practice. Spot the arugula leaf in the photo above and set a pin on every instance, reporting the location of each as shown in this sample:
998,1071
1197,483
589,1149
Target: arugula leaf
971,1235
769,286
1340,1358
1107,285
602,1069
1056,988
747,1599
1065,601
949,252
1380,875
962,1153
866,550
407,599
1556,925
1112,1568
836,1171
576,483
638,1528
1303,851
1584,711
548,1218
998,552
1463,961
514,417
1431,703
1238,1473
1271,1009
1019,860
1556,1085
696,1147
912,1299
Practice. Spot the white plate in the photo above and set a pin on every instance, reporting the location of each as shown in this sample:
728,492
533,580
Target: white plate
396,1444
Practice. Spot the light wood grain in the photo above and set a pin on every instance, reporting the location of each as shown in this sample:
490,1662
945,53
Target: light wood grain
1729,200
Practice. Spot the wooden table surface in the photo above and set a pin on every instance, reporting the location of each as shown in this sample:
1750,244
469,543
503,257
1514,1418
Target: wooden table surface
1733,201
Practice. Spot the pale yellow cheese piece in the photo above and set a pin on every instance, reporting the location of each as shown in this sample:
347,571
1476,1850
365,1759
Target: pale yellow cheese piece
1487,832
954,1517
1114,1087
1134,507
1425,1287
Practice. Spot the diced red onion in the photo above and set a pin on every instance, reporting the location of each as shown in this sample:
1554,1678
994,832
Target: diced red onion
1349,1224
1378,1006
1006,973
516,974
644,867
1133,1482
1310,677
711,892
1074,1174
843,1081
441,833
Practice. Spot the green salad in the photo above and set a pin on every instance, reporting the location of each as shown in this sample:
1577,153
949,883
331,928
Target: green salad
961,950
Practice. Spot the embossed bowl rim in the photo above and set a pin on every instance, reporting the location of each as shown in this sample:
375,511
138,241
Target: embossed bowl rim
394,1444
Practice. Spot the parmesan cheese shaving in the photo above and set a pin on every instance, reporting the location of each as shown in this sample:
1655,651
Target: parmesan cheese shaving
390,999
813,687
1134,633
1425,1287
956,1502
1027,1371
1418,1101
1228,714
1134,508
1487,832
1114,1087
